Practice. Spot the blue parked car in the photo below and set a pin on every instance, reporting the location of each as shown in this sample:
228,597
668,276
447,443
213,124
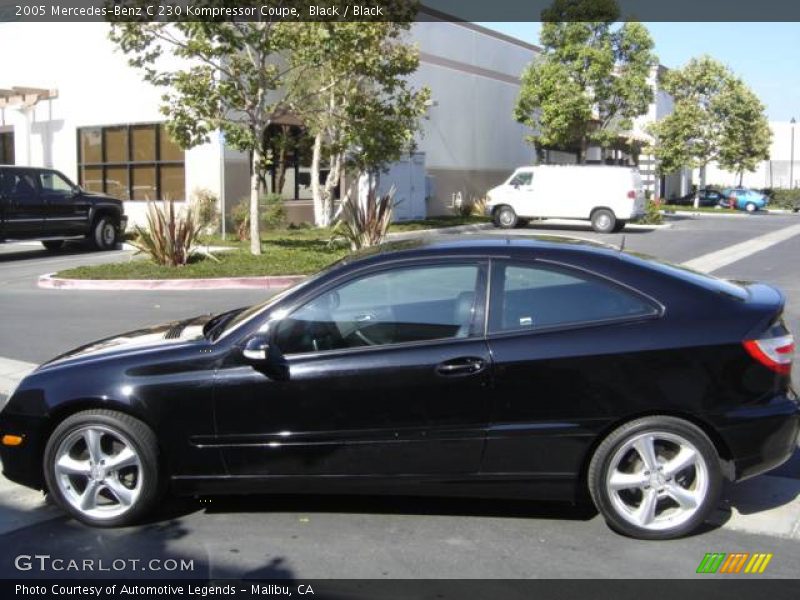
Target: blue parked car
743,199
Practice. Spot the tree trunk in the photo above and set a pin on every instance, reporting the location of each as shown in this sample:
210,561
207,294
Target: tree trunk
255,185
741,178
331,181
701,186
316,190
583,151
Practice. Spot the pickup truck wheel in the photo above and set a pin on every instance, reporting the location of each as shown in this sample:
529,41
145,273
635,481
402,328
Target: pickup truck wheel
603,221
53,245
104,233
505,218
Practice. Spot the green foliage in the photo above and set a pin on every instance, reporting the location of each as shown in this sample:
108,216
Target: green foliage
788,199
169,237
364,222
350,86
205,204
273,215
715,117
590,81
652,213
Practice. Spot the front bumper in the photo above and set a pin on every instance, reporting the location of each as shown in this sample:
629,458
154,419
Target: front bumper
123,223
23,464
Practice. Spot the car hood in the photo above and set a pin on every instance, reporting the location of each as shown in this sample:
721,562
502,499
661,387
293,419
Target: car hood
147,338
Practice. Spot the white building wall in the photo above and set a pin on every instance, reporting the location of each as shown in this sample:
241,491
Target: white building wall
95,87
774,172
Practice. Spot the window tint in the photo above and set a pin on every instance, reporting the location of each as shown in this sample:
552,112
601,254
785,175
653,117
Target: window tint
522,179
19,185
534,297
390,307
53,182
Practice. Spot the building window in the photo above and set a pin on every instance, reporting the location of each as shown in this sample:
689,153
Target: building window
7,148
131,162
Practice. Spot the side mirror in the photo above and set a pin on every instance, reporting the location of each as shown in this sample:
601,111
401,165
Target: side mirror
256,349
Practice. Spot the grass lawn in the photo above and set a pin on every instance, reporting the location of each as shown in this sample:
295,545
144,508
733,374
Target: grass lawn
285,252
711,209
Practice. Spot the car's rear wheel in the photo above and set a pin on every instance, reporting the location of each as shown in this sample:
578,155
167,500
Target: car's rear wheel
603,220
53,245
655,478
101,466
104,233
750,207
505,218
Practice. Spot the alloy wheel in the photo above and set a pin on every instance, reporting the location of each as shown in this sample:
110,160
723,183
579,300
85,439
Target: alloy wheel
98,472
657,480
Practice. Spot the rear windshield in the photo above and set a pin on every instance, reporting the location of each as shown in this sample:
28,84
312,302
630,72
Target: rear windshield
709,282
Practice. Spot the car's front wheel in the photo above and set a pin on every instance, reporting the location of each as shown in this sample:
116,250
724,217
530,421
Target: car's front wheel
655,478
104,233
101,466
505,218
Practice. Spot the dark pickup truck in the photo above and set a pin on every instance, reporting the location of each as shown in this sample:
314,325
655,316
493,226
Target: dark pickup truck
42,204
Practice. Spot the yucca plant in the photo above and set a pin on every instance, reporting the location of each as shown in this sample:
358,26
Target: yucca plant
478,207
363,222
169,237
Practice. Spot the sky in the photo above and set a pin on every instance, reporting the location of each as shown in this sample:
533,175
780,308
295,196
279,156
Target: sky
764,55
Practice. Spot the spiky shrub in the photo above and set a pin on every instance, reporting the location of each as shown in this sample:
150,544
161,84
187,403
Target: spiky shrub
170,236
478,207
364,222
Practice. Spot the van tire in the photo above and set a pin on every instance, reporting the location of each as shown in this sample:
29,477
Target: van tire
603,220
505,217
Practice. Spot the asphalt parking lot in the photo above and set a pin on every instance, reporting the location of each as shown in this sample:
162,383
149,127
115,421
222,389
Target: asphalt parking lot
320,537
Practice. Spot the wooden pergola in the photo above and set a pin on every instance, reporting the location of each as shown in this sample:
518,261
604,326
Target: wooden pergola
24,97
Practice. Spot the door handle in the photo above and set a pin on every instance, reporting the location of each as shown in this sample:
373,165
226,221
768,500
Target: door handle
461,366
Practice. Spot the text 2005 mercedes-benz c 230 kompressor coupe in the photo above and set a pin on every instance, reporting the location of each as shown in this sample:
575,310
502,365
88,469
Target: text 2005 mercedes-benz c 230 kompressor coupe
490,368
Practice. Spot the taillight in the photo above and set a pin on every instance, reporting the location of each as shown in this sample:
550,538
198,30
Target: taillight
774,353
632,194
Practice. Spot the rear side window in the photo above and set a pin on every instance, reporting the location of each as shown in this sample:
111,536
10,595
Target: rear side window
526,296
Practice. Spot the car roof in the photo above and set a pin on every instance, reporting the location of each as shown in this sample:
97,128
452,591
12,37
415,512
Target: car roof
26,168
476,246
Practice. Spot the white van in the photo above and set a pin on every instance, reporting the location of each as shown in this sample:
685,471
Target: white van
607,196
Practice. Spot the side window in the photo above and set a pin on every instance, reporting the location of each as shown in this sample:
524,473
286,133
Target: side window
390,307
21,186
522,179
54,183
536,297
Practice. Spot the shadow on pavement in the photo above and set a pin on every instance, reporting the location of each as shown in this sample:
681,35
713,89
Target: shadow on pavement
18,252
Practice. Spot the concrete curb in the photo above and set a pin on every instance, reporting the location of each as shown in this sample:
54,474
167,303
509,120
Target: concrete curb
276,282
722,213
410,235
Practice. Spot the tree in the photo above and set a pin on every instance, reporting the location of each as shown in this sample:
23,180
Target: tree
591,79
350,89
715,117
228,80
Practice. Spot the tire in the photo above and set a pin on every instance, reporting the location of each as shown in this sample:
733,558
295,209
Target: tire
619,226
505,218
121,496
696,484
750,207
603,220
53,245
104,234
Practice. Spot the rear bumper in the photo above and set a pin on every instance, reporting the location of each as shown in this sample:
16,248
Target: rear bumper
761,438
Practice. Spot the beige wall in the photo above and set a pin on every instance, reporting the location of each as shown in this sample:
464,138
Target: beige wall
472,183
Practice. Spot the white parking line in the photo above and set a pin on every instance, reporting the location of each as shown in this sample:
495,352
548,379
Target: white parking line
722,258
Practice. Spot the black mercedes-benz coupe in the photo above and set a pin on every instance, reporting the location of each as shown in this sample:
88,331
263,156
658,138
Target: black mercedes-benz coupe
545,368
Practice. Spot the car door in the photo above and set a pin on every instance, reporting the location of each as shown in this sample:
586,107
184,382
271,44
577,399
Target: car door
66,210
385,374
22,205
562,342
521,194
